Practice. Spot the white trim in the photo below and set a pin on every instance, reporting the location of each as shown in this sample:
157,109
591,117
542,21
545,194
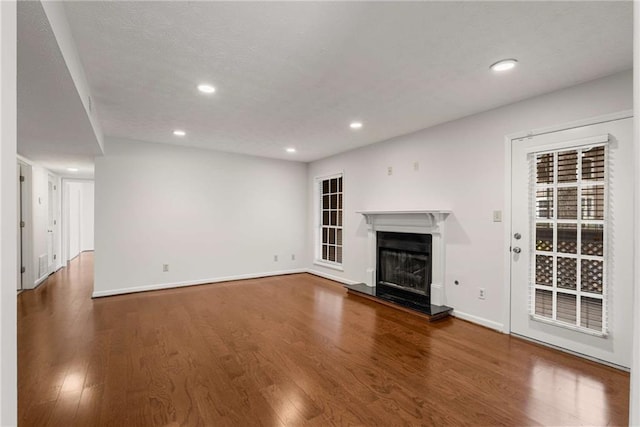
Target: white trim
39,281
634,394
508,139
332,277
430,222
575,353
317,220
159,286
323,263
576,328
572,125
479,321
29,275
574,144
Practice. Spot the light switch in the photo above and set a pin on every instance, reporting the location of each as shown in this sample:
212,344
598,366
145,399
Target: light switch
497,216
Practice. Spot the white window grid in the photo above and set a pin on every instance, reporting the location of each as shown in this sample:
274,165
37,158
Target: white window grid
554,221
339,209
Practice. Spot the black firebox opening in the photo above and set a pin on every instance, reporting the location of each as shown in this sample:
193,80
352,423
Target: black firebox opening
404,269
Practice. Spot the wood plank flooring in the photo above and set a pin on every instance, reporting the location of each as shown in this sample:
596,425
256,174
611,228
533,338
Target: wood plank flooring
288,350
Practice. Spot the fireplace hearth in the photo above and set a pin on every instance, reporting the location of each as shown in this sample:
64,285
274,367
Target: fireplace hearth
404,265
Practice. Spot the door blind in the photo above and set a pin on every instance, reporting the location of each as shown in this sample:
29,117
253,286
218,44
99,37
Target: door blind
568,280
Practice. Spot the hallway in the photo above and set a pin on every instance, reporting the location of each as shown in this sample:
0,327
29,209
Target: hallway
285,350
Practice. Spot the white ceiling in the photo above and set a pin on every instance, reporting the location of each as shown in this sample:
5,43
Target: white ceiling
297,73
53,128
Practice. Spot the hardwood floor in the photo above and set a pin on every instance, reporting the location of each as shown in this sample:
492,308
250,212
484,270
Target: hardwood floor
289,350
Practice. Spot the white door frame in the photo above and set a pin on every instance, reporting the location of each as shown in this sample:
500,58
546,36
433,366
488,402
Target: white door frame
55,227
508,140
28,278
65,217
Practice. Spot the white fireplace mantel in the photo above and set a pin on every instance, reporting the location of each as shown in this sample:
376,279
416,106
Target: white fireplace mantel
411,221
429,220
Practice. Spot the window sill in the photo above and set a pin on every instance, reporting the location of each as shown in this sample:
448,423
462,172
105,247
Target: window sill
328,265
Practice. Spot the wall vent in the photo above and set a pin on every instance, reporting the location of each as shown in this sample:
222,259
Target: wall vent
43,263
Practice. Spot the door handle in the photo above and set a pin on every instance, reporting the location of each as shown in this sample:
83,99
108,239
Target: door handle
517,250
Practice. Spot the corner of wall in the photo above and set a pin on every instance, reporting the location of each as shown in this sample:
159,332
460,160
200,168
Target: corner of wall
8,215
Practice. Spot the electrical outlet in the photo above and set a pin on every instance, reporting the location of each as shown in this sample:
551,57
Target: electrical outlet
482,293
389,170
293,257
275,258
165,268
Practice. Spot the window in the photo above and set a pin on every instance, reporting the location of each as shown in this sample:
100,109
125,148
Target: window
568,264
330,234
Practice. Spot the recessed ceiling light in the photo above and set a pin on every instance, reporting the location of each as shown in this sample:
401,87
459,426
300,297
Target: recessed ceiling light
504,65
179,132
291,150
355,125
72,169
205,88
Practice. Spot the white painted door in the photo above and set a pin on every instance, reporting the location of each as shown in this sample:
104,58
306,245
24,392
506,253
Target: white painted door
52,220
571,239
19,204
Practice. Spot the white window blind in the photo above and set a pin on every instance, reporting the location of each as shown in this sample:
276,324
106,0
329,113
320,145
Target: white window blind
569,224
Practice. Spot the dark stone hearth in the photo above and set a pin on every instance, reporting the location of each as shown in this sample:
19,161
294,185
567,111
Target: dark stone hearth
433,312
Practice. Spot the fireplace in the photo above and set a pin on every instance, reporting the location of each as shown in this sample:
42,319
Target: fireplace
429,226
404,268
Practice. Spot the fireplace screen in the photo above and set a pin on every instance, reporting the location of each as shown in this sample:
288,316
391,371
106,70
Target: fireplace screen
404,269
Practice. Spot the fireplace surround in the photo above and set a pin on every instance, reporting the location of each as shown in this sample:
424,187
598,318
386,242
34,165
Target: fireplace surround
422,233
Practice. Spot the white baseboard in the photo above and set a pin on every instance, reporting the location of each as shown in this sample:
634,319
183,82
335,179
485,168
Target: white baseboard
331,277
40,280
479,320
155,287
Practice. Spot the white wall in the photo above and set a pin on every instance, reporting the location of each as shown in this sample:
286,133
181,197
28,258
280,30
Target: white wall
634,398
461,168
60,27
79,216
73,222
87,216
8,216
209,215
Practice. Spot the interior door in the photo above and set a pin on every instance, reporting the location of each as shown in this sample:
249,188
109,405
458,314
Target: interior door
571,258
20,225
52,221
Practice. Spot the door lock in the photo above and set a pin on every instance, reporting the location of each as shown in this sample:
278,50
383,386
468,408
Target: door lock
517,250
517,236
